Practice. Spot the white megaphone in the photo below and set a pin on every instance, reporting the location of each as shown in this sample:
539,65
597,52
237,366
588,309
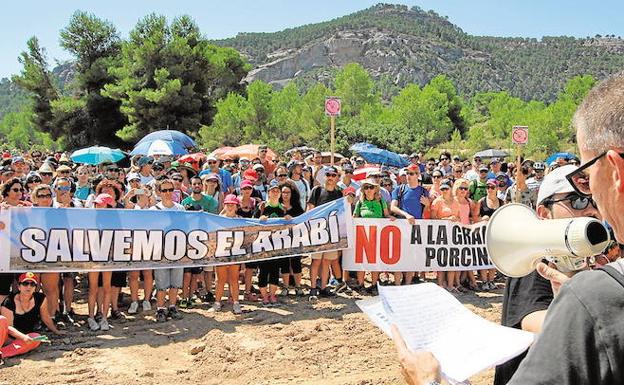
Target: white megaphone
517,240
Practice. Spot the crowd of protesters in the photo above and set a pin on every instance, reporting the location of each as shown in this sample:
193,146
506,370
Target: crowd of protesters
447,187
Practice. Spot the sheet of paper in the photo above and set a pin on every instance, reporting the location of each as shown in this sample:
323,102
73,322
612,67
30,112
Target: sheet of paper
431,319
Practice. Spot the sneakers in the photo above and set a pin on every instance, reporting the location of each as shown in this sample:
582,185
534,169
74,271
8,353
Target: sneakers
299,292
147,306
327,293
68,318
174,313
314,293
93,324
342,286
208,297
184,304
236,308
98,317
104,325
216,307
118,316
485,286
492,285
133,308
284,292
161,315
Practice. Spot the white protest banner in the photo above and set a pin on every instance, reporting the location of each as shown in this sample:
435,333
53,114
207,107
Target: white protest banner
428,245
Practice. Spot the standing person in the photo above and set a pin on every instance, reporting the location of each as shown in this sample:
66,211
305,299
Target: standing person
347,178
445,164
487,206
268,275
410,201
291,265
83,187
295,173
212,188
321,262
100,310
435,191
269,165
212,166
446,207
145,169
228,273
168,281
478,186
246,209
370,205
468,214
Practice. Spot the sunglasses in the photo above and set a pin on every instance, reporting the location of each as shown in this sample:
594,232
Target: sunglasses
166,190
436,176
491,187
63,188
412,173
45,173
42,196
444,158
178,179
368,187
212,162
28,283
463,188
282,175
331,175
579,178
65,172
577,202
483,171
17,189
387,184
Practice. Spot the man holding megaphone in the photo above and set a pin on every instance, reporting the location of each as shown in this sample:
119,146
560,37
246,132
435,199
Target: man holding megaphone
527,297
582,339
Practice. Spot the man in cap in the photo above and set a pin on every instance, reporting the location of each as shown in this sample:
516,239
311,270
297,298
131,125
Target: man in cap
145,169
414,158
17,165
46,172
526,299
534,182
410,201
237,178
478,187
322,261
295,173
347,178
582,338
226,178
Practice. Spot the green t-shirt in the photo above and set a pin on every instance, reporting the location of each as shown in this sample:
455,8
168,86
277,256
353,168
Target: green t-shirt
206,203
477,190
370,209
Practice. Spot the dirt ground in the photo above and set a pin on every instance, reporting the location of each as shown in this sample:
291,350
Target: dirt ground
330,342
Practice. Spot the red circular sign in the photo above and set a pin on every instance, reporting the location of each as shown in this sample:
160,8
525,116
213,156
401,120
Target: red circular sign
520,135
332,106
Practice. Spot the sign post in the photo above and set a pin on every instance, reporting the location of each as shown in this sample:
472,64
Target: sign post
519,137
332,109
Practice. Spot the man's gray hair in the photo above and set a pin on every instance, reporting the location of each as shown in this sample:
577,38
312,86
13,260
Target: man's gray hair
601,115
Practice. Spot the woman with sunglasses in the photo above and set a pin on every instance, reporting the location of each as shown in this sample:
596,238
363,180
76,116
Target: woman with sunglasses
487,206
212,188
468,213
83,187
370,205
434,190
12,196
446,207
291,266
63,190
20,314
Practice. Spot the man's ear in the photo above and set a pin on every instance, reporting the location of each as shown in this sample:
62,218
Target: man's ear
617,174
543,212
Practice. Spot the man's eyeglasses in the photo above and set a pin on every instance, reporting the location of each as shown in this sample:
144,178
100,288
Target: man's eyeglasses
331,175
166,190
577,202
412,173
579,178
43,196
28,283
282,175
444,158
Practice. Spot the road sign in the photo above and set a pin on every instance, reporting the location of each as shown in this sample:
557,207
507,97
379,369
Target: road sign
520,134
332,106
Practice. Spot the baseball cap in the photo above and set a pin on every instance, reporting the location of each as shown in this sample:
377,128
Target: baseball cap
210,176
492,182
272,185
258,166
104,199
484,168
250,175
413,155
347,168
445,184
413,167
212,158
555,183
538,166
348,190
231,199
28,277
494,160
370,182
402,172
158,166
18,159
246,183
145,160
133,176
331,169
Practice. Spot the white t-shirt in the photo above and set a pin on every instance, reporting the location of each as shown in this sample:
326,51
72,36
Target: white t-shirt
175,207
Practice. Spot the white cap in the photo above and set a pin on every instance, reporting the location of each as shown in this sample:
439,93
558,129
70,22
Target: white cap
132,176
212,157
555,183
403,172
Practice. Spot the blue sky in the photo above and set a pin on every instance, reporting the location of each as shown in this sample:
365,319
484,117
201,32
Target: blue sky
528,18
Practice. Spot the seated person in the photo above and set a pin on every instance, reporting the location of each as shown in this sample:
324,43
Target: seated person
19,315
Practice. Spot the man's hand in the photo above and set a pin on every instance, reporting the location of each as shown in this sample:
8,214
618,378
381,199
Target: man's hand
418,368
555,277
425,201
410,219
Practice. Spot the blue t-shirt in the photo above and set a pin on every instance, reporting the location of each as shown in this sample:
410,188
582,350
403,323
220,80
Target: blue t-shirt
410,201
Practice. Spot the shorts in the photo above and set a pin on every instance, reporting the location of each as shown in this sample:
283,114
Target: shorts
69,275
286,265
169,278
328,255
6,280
118,279
194,270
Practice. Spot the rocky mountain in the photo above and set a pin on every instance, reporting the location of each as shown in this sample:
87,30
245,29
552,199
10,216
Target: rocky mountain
400,45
